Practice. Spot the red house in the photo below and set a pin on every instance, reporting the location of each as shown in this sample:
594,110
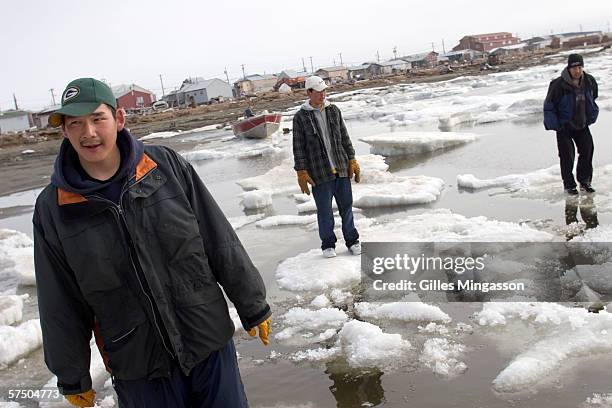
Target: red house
486,42
133,96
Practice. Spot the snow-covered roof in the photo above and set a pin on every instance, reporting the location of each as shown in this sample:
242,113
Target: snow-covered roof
13,114
49,109
363,66
415,57
124,89
199,85
509,47
332,69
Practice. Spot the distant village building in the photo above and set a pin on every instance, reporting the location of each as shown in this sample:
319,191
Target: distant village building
360,71
333,74
291,78
254,84
422,60
15,121
486,42
566,40
459,56
205,91
41,118
133,96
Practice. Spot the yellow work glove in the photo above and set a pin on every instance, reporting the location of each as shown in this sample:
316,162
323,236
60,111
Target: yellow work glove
354,169
303,180
84,399
265,328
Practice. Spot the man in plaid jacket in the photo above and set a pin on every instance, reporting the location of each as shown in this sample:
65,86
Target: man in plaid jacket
324,158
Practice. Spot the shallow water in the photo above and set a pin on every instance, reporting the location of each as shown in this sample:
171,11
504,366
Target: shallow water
503,148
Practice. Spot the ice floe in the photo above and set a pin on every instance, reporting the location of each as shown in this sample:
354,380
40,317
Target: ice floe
362,345
281,220
563,333
17,256
303,272
11,309
16,342
380,188
402,311
544,184
442,356
415,143
244,220
252,200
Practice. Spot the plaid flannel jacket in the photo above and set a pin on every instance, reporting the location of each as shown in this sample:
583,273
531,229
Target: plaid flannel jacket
309,151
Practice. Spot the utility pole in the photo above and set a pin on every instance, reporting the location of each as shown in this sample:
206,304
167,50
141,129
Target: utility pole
303,65
226,76
340,54
311,66
52,96
443,47
15,99
162,85
243,74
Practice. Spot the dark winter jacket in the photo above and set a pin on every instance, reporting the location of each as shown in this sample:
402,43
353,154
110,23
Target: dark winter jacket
560,103
309,152
145,272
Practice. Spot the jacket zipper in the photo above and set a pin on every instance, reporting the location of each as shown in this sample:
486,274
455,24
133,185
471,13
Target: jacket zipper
117,209
123,336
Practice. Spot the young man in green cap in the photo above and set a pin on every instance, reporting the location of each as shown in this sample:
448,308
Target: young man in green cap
129,244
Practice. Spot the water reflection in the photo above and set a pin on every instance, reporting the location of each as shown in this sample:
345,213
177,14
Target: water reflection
362,389
588,213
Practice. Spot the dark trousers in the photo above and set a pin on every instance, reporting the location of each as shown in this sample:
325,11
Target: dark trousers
214,383
584,143
340,189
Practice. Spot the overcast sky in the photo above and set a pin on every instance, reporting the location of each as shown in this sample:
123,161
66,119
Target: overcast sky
48,43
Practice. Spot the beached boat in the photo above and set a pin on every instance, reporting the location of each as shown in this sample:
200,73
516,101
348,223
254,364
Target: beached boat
257,127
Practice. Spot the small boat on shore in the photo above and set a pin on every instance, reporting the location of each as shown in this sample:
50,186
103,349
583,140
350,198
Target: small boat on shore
257,127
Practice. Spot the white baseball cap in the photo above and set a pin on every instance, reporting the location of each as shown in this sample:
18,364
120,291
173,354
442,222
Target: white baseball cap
315,82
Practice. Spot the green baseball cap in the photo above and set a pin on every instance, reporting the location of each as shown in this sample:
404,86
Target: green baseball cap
81,97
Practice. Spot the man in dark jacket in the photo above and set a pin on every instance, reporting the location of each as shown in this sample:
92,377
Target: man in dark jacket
324,158
129,244
569,109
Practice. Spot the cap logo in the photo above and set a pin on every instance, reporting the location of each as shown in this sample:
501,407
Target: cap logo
71,93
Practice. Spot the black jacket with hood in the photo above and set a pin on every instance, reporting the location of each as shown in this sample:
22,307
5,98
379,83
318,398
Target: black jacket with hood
144,274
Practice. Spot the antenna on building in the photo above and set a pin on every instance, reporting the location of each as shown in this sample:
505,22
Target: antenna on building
443,47
226,76
395,52
15,100
377,56
340,54
311,66
243,74
433,48
52,96
303,65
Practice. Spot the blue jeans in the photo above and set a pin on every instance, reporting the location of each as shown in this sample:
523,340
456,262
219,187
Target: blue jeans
213,383
340,188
